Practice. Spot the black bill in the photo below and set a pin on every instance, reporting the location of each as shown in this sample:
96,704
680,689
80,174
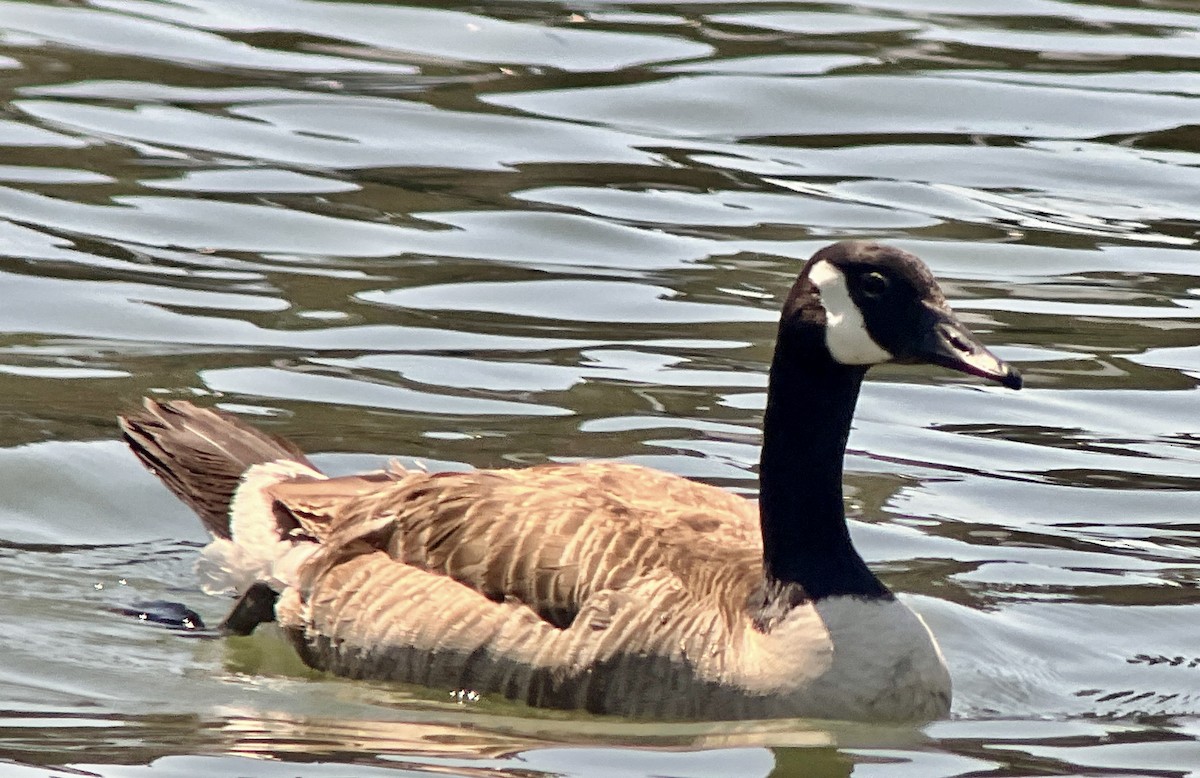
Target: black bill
948,342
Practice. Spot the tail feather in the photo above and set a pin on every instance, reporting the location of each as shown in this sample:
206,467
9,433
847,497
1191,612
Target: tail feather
201,454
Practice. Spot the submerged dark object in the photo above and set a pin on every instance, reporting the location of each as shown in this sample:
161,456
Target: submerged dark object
173,615
254,607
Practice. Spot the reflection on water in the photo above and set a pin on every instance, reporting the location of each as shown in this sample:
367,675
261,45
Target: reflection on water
501,235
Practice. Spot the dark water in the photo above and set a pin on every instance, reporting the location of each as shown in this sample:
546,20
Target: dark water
516,232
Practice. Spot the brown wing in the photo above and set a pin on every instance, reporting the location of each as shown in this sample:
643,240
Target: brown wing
367,616
549,537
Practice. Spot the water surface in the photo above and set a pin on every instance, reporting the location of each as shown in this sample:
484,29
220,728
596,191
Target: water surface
496,235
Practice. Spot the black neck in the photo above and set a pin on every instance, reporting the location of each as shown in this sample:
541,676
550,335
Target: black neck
810,403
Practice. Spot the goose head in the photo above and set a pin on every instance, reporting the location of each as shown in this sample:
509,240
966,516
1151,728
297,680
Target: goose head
874,303
854,305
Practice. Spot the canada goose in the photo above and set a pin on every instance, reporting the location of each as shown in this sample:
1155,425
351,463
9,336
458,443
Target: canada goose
601,586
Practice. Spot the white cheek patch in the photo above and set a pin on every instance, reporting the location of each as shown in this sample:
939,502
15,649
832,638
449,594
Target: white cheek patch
846,334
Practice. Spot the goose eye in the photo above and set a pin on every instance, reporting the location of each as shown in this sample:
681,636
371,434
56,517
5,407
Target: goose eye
873,284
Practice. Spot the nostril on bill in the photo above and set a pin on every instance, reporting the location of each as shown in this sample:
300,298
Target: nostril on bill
958,341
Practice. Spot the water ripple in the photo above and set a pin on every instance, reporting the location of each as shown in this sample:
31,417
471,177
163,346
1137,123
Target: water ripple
496,235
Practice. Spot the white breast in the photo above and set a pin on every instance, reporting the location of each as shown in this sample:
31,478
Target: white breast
852,658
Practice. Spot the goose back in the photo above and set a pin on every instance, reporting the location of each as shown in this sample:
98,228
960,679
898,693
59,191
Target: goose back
549,537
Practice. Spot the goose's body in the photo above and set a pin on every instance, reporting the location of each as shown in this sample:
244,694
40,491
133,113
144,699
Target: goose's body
601,586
